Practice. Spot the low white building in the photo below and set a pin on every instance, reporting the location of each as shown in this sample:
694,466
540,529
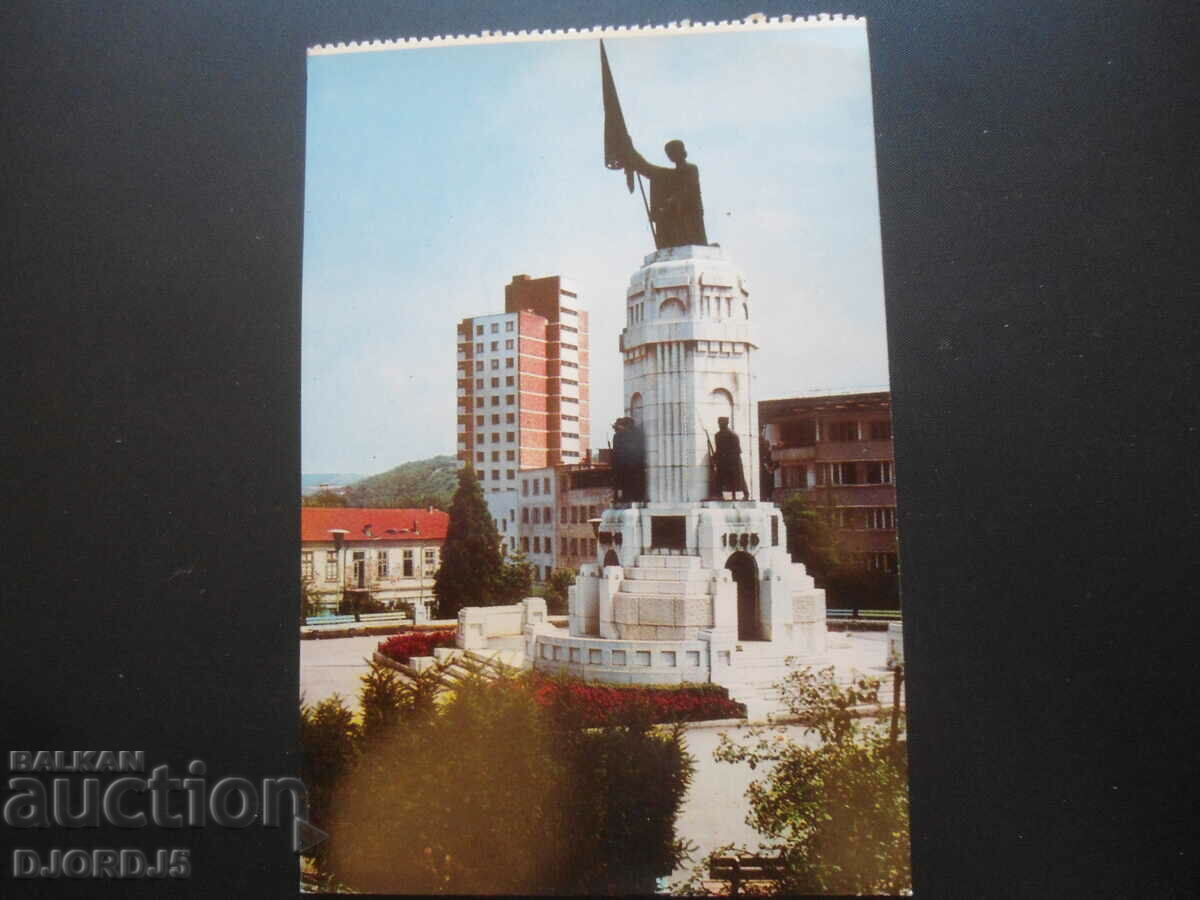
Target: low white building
385,555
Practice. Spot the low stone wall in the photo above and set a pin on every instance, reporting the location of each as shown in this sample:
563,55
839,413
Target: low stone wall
364,629
622,661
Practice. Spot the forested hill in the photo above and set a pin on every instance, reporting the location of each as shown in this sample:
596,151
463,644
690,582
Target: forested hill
425,482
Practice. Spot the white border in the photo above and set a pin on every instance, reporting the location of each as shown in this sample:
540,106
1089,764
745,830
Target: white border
752,22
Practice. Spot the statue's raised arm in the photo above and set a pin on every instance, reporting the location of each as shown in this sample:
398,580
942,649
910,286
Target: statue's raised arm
675,209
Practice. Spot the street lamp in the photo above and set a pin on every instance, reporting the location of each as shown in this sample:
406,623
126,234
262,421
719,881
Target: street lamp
339,540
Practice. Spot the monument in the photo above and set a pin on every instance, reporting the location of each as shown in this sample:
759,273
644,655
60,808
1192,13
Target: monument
692,581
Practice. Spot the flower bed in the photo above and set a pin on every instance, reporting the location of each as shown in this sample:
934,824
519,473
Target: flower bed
603,704
403,647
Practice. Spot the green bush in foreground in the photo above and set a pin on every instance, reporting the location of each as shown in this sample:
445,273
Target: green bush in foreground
835,815
490,791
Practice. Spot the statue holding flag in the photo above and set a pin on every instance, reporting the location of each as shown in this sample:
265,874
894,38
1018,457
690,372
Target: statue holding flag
675,210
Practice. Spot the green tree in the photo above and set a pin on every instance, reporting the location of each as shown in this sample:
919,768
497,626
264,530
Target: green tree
836,814
310,598
324,497
329,743
471,564
556,590
812,539
515,582
492,792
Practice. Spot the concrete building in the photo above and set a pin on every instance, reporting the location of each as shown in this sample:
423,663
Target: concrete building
523,383
837,452
385,555
546,518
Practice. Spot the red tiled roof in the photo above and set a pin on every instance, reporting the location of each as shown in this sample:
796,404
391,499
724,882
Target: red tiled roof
385,524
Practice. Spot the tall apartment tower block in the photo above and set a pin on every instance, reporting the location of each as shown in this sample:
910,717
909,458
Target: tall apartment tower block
523,382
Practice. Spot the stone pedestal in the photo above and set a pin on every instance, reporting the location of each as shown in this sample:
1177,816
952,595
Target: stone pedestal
686,586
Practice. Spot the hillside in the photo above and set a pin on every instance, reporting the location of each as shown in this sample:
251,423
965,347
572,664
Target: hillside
425,482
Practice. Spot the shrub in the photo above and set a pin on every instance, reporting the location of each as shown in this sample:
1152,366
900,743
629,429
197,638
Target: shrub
594,705
403,647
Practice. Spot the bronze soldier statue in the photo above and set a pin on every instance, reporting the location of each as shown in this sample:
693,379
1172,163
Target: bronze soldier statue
730,475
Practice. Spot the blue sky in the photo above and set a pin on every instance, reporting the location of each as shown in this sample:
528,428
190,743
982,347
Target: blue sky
433,175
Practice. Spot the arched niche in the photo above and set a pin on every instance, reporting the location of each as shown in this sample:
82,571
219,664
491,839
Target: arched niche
672,308
744,569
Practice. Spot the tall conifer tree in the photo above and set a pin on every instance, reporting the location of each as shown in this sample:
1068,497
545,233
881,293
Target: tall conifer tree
471,554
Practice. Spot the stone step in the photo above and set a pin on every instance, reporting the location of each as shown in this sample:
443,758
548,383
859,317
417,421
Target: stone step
633,573
653,561
689,588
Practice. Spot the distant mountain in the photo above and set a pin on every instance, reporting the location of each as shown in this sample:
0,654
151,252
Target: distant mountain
310,482
425,482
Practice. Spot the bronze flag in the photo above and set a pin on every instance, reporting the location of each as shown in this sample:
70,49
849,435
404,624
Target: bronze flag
618,148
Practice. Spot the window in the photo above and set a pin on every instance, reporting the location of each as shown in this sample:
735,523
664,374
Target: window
880,472
574,546
430,558
495,474
306,564
495,381
537,544
510,455
510,436
496,365
479,384
547,483
524,545
495,437
798,434
562,515
795,476
525,488
508,363
496,400
479,366
509,419
843,473
479,420
508,345
525,514
331,565
495,327
495,346
511,473
478,402
495,456
479,329
593,512
479,457
406,564
495,419
562,548
479,348
842,431
537,487
509,400
537,515
881,431
508,326
881,517
483,474
881,562
381,564
508,381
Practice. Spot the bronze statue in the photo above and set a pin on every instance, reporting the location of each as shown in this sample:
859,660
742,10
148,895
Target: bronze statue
628,461
730,475
675,209
766,469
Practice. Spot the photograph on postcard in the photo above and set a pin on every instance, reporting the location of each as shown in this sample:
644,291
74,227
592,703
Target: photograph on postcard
599,573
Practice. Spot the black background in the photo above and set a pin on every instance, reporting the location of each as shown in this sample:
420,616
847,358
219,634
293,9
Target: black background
1037,181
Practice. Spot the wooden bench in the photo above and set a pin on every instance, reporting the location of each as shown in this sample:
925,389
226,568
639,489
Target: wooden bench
740,870
328,620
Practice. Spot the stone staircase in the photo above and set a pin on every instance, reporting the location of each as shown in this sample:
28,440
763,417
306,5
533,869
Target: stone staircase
457,665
